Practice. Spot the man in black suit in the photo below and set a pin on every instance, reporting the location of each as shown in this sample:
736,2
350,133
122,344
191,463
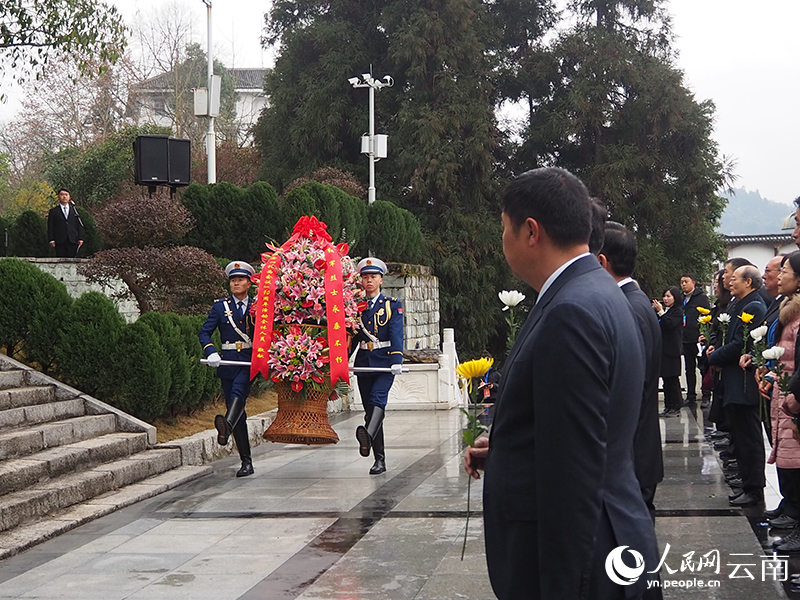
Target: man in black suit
618,257
561,492
64,227
741,397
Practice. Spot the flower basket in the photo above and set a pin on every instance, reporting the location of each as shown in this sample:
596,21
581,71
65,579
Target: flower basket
302,421
307,307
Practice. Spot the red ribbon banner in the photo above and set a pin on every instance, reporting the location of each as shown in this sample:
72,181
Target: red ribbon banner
308,227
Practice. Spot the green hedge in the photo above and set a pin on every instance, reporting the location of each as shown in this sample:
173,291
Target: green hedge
150,368
235,222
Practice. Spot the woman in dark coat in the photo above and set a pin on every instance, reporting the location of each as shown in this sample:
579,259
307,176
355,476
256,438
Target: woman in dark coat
670,316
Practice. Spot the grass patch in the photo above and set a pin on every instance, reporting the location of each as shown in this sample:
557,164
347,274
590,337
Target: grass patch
186,425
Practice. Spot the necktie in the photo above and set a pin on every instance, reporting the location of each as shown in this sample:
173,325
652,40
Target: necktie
240,303
65,210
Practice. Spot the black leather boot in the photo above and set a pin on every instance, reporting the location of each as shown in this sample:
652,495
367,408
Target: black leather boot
379,466
366,435
242,439
226,424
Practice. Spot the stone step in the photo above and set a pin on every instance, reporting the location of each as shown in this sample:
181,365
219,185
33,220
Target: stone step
23,442
17,474
42,499
41,413
11,379
25,536
26,396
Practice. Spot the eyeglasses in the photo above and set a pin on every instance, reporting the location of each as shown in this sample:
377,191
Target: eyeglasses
786,271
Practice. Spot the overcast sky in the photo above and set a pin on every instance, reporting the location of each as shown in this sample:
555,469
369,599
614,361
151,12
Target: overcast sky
740,54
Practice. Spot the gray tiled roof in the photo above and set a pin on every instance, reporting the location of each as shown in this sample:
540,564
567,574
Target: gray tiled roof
760,238
246,79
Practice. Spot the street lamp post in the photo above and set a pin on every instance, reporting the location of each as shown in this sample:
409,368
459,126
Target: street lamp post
368,81
211,145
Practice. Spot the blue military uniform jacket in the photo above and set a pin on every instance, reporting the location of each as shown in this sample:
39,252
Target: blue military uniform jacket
218,319
385,322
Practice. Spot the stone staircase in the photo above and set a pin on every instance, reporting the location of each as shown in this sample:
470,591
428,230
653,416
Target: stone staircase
67,458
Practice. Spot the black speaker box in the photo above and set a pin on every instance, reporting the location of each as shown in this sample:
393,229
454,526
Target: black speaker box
151,160
180,161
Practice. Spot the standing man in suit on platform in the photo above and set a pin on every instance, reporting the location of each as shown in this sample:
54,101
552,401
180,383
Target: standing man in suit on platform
561,492
64,227
618,257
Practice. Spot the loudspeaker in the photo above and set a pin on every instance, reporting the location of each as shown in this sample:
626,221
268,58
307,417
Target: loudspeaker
180,162
151,160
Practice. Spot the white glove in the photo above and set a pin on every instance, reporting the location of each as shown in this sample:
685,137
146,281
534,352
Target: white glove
397,368
213,360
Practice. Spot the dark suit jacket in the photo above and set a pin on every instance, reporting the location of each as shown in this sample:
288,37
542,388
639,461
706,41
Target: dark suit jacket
560,490
740,385
671,345
647,456
61,230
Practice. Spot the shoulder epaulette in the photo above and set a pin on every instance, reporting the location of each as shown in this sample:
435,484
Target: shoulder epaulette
220,300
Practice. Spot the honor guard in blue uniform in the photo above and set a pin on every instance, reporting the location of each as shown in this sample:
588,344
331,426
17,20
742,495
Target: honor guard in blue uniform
236,326
380,344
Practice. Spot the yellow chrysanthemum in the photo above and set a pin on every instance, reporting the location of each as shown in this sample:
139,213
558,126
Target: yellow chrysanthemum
474,368
746,317
703,311
705,319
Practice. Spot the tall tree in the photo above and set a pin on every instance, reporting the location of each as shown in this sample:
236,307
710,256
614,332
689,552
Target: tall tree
616,112
32,32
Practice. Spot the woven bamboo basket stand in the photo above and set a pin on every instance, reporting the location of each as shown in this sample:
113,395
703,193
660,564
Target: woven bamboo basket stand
302,421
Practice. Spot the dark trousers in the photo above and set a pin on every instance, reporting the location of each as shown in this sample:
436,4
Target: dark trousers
672,393
66,250
690,363
789,484
745,431
648,495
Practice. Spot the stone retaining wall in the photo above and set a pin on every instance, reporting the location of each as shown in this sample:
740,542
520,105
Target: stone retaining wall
418,289
66,271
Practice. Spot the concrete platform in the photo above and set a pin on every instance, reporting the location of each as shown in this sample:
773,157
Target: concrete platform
313,524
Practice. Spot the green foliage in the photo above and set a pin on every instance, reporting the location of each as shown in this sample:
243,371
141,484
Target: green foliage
92,241
297,203
28,236
88,343
232,221
88,30
178,363
352,215
34,305
204,385
5,227
142,381
328,206
98,173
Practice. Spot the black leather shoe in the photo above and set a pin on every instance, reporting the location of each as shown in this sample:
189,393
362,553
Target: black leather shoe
771,514
731,465
668,413
725,455
783,522
364,443
379,467
223,430
791,545
735,493
247,469
718,435
722,444
747,499
735,483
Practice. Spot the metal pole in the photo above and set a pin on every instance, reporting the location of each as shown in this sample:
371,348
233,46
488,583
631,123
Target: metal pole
371,197
211,145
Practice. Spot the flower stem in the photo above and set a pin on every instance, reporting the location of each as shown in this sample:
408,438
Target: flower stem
466,527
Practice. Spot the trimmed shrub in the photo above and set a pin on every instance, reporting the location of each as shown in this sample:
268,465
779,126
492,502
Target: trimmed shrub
31,311
178,366
296,204
87,344
28,236
328,205
386,231
204,385
140,373
353,217
92,240
5,231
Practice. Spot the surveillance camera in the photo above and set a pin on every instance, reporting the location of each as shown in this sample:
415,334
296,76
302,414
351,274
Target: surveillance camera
352,80
389,81
366,76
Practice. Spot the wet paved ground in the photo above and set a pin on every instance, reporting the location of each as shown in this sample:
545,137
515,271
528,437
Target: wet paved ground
312,524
